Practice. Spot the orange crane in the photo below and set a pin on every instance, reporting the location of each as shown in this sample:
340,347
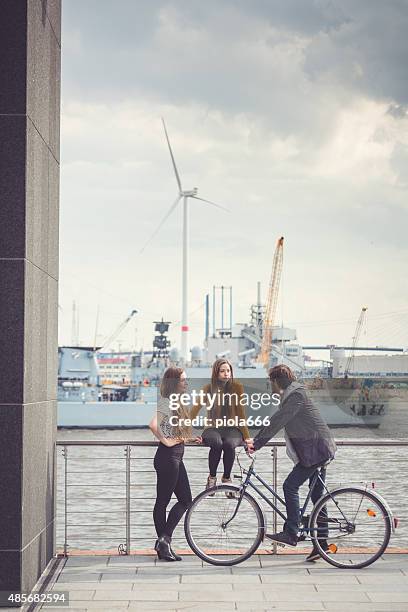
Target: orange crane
355,340
271,304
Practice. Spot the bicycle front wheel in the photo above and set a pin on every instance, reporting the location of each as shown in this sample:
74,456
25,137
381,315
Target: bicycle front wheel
223,528
355,525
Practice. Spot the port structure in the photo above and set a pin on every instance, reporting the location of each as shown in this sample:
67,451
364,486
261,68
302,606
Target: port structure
271,304
160,341
118,330
356,337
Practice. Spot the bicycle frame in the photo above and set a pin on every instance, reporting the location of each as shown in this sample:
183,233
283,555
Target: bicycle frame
250,472
323,513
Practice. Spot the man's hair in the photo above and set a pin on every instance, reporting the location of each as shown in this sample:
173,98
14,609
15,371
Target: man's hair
282,374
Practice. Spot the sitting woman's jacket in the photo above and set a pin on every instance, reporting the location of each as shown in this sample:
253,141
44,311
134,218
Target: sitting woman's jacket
229,406
308,434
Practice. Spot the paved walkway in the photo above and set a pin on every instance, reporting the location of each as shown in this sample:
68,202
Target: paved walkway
266,582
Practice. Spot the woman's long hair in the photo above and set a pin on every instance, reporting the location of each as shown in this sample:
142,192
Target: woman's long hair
215,384
170,386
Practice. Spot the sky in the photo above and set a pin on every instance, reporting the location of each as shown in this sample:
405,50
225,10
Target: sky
292,114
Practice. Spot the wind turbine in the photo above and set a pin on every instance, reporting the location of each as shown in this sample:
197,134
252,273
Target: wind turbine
184,195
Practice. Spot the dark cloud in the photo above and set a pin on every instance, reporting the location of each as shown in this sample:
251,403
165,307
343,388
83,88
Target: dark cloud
368,53
398,111
290,64
362,44
307,17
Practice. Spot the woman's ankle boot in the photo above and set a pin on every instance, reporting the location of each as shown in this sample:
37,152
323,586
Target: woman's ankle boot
163,549
175,555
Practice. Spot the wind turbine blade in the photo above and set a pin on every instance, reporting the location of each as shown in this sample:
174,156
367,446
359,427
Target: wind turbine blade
212,203
172,157
166,216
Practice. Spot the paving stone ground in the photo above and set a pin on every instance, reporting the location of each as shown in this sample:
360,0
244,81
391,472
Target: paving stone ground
265,582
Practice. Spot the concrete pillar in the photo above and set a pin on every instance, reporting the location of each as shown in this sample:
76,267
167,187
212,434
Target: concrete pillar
30,49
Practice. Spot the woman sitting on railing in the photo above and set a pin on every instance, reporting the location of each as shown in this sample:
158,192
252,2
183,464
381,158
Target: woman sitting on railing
168,461
223,439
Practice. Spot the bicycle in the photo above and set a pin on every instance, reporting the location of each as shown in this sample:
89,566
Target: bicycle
225,525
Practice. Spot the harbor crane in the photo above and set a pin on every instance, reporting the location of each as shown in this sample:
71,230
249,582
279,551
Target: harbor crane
118,329
271,304
356,336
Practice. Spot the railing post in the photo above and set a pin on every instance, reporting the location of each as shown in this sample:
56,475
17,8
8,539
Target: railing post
275,486
65,454
128,449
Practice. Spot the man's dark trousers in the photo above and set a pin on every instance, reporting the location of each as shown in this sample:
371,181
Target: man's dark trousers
293,482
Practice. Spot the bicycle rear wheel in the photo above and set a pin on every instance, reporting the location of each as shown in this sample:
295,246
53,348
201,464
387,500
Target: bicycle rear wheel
216,542
358,525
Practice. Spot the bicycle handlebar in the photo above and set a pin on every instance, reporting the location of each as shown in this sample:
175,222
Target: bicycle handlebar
250,455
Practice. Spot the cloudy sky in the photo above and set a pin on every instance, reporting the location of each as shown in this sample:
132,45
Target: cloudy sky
291,113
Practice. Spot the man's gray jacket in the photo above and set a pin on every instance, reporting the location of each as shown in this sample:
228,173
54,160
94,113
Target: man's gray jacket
304,426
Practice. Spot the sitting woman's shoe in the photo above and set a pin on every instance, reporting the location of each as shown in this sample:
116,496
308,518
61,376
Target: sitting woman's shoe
163,549
228,481
211,483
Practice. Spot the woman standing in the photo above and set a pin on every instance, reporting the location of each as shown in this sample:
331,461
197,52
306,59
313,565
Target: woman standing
168,462
223,440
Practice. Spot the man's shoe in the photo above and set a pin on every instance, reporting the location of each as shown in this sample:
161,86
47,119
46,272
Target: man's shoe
284,538
314,554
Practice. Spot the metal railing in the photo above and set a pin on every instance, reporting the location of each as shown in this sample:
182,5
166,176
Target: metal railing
81,491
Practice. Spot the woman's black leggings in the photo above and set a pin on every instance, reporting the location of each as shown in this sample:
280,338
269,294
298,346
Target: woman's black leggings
222,439
171,478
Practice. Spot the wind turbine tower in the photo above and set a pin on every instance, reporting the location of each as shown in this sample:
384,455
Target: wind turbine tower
184,195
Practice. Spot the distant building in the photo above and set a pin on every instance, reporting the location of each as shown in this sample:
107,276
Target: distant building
371,365
114,367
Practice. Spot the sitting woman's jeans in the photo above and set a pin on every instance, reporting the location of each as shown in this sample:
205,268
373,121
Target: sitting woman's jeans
293,482
221,439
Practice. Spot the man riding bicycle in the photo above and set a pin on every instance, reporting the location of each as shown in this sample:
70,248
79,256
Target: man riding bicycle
309,444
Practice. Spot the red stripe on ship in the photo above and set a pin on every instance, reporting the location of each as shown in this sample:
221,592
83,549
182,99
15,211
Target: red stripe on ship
184,328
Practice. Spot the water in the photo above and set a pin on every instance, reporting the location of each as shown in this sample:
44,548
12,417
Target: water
96,483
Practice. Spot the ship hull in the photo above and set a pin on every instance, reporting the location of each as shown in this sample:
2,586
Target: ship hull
104,415
131,415
342,403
